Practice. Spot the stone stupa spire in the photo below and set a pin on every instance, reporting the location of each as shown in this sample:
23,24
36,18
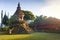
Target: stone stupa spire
19,14
18,7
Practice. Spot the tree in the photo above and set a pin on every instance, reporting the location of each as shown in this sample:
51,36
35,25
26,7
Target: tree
1,17
28,15
40,20
5,20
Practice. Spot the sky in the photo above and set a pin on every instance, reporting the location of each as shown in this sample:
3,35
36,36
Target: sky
37,7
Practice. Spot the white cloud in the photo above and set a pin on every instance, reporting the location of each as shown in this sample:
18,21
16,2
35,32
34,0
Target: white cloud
52,8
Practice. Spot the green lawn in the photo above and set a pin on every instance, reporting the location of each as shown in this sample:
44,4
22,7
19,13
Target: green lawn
33,36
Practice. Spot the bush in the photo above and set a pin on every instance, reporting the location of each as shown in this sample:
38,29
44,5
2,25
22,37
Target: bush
5,28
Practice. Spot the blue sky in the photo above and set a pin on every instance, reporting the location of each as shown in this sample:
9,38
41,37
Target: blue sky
11,5
38,7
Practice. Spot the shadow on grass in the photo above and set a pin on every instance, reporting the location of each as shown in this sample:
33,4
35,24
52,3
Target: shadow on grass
5,33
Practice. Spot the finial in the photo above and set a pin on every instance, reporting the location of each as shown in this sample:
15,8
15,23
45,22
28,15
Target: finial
18,4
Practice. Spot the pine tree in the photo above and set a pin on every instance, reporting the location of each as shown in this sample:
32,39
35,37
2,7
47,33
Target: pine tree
5,20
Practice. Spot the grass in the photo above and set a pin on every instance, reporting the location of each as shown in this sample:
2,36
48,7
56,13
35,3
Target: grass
33,36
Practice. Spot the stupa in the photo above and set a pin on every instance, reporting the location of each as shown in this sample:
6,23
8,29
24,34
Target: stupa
19,25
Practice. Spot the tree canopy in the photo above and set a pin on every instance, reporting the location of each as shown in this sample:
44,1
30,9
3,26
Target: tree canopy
28,15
